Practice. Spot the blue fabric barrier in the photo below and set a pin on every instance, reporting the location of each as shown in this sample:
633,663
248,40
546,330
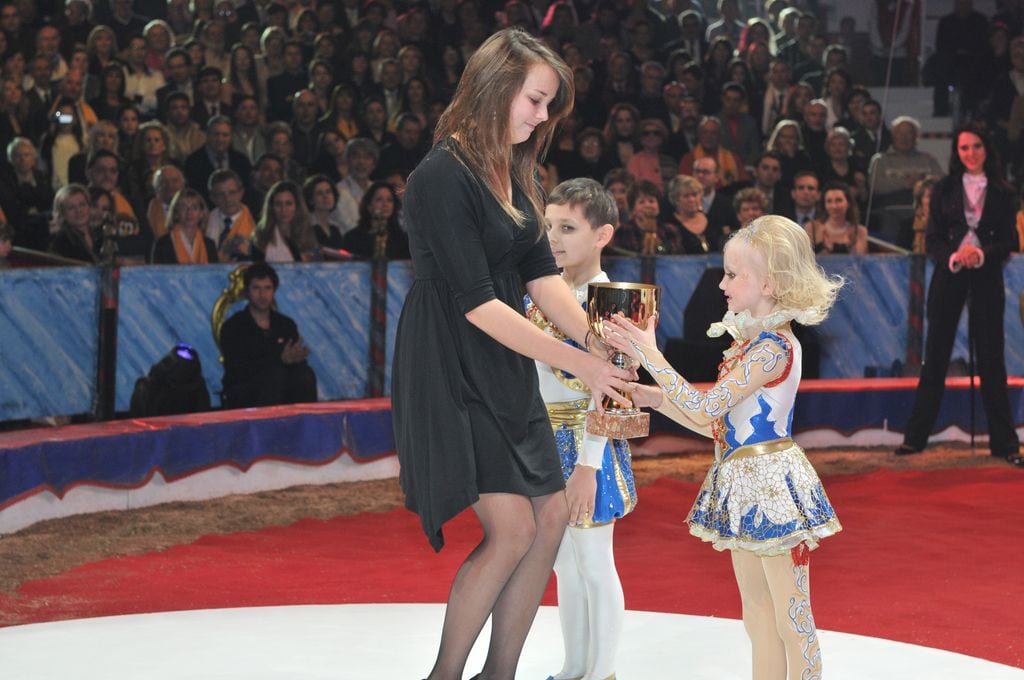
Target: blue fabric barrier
125,454
48,320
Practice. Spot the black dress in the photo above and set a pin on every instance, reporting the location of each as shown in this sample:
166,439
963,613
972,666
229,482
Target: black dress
467,411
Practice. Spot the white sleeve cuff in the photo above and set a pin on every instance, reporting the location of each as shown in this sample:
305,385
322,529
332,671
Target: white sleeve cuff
592,454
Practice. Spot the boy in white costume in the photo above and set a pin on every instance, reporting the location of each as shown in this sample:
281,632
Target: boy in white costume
581,218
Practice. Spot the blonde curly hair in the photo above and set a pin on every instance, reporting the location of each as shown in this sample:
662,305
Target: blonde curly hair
799,283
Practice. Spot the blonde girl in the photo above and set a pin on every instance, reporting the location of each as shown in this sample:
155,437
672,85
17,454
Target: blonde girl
761,500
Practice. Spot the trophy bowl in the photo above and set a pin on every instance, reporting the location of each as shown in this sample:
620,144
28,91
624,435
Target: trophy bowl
638,302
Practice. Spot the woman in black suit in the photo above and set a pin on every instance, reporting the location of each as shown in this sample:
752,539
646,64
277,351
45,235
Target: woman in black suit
969,236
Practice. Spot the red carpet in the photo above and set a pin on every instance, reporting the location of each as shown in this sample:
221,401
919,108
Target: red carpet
931,558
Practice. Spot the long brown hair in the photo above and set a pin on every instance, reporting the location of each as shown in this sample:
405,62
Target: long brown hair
478,116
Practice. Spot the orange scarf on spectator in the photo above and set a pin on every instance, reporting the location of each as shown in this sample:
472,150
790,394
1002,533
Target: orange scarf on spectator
727,168
121,205
88,115
239,238
157,218
198,256
348,129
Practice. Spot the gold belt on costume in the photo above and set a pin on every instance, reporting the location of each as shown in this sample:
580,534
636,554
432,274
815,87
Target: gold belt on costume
568,413
762,448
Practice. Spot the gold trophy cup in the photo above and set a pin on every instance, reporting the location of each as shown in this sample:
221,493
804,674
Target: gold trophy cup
638,302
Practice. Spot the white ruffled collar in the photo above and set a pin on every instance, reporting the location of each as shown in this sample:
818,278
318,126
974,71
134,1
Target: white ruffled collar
742,325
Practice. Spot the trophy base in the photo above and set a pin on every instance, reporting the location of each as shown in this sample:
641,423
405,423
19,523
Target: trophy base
618,425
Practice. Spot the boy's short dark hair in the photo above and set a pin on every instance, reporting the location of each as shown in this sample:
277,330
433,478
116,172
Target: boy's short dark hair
259,270
594,201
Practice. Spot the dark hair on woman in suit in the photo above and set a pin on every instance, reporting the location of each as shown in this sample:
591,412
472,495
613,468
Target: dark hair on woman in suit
993,165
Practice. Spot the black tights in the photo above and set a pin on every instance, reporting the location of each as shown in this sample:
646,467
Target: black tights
503,578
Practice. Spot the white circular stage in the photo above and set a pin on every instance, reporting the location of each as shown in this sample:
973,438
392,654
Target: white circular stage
398,642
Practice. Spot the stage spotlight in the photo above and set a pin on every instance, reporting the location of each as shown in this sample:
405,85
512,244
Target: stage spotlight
174,385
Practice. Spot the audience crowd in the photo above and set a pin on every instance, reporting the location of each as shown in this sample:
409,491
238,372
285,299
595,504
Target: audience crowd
196,131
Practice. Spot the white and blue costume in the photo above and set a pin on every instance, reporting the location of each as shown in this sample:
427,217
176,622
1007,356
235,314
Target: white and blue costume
568,401
761,494
591,605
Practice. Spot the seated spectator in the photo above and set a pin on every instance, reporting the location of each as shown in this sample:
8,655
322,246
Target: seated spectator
279,142
698,237
178,68
805,195
713,202
230,224
242,80
893,173
102,135
158,41
34,192
838,84
739,129
800,95
151,152
341,115
304,131
378,233
15,120
871,136
216,154
841,165
787,141
814,131
408,149
649,163
63,140
167,182
681,119
373,121
838,228
283,86
644,233
620,133
141,82
247,135
111,96
709,136
854,102
73,237
284,232
209,100
101,45
361,156
767,179
589,159
186,242
322,200
416,101
185,134
127,128
749,204
619,183
330,159
269,170
264,355
776,93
